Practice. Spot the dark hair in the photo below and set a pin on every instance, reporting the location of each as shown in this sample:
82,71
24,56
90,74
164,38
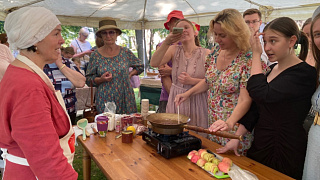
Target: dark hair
289,28
99,42
308,21
315,50
196,38
32,48
252,11
3,38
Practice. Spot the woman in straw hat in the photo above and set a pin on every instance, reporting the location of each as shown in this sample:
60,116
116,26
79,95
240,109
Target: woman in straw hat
36,134
108,70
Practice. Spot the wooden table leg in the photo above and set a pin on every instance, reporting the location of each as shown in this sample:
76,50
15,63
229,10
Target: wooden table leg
86,162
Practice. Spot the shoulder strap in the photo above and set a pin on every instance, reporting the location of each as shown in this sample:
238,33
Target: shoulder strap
79,45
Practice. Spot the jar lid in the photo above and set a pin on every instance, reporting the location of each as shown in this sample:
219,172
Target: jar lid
102,118
127,132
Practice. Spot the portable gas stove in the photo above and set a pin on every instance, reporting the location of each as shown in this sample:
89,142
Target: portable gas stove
170,146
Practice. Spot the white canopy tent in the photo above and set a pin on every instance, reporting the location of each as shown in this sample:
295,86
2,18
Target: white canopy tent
149,14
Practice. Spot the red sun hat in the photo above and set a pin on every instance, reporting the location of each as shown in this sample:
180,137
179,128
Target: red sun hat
197,26
172,14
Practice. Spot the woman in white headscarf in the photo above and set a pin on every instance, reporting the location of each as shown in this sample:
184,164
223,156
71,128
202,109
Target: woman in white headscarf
36,135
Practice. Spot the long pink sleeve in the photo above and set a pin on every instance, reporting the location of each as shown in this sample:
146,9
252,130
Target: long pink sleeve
6,58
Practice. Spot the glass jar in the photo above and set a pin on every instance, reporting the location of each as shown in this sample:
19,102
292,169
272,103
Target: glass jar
127,136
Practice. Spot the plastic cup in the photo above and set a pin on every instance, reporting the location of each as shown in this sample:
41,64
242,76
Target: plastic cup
102,124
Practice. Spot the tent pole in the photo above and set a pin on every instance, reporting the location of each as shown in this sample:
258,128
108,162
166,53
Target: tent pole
143,48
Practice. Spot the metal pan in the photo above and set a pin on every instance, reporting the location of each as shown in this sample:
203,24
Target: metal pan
166,123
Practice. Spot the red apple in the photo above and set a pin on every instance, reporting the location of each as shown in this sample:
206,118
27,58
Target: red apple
191,153
224,167
227,160
195,158
201,151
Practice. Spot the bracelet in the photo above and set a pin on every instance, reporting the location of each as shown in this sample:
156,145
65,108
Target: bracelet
60,68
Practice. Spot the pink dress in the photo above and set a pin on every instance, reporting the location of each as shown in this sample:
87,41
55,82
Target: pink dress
196,106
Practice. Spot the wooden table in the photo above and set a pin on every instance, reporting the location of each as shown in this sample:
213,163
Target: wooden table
140,161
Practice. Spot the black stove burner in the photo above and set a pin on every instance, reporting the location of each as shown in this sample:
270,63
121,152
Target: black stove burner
172,145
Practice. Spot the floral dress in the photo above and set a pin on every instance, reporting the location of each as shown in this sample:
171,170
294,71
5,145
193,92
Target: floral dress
119,89
224,90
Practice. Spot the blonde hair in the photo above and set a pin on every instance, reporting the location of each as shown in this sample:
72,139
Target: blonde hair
233,25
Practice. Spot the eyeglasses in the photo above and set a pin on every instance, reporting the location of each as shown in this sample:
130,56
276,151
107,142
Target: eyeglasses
252,22
105,33
84,35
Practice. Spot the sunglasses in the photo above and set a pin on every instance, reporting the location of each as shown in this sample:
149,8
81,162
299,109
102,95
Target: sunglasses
111,33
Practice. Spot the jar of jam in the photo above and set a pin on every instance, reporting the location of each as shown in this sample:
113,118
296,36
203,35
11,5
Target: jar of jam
127,136
124,122
130,120
137,118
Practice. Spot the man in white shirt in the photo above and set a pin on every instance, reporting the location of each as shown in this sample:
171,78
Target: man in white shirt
253,19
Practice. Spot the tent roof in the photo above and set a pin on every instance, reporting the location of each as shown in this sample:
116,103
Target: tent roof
149,14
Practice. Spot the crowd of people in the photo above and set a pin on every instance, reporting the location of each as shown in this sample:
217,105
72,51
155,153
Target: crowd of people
249,83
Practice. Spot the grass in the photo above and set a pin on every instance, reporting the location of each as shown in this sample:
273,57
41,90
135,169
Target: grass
96,174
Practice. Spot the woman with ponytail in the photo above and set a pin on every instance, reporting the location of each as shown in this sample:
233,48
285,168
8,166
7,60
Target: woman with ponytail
282,98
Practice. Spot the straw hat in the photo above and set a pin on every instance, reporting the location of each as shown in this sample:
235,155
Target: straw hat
107,23
175,13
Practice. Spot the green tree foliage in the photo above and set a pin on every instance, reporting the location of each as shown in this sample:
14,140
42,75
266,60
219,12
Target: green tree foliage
203,38
69,33
1,27
130,38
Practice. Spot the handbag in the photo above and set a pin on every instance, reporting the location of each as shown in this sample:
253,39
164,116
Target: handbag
90,111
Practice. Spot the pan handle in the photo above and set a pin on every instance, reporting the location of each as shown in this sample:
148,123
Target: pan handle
218,133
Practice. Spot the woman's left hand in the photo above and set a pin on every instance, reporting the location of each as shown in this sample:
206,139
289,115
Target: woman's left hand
184,78
255,41
59,61
219,125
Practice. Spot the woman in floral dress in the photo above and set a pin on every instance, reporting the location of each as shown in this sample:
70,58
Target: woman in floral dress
108,70
227,73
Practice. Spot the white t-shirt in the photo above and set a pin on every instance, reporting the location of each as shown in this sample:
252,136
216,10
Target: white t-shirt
81,47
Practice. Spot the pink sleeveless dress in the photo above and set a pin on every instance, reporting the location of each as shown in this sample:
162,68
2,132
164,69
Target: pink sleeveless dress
196,106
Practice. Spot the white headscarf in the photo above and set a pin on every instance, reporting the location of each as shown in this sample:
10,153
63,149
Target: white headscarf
29,25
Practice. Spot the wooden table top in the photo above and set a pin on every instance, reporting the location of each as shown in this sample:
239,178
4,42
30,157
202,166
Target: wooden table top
138,160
